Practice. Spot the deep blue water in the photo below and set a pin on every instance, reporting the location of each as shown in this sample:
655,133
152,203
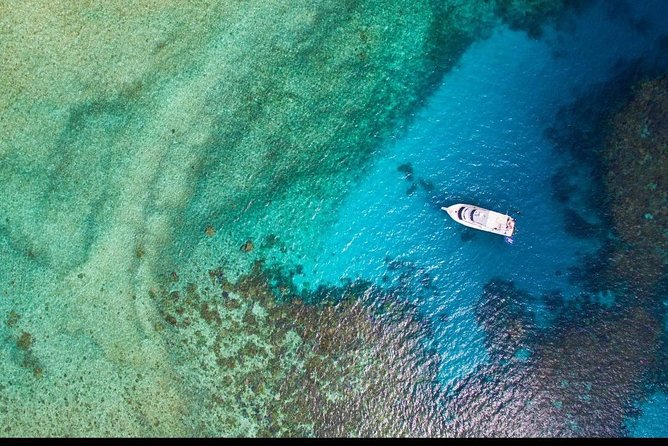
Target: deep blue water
481,139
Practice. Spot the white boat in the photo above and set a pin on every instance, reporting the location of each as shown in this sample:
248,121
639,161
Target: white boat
480,218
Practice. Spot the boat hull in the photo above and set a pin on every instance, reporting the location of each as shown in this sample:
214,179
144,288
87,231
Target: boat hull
482,219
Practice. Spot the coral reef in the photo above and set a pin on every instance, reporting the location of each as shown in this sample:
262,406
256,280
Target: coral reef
578,379
616,168
636,162
354,364
586,367
500,313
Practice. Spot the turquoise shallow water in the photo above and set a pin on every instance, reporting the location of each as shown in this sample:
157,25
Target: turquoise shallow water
652,421
224,219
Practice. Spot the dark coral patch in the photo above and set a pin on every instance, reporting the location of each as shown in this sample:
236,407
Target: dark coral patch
247,246
407,170
25,341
